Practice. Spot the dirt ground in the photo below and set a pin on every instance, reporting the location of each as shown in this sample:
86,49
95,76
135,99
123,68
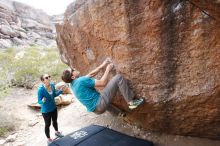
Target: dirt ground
30,124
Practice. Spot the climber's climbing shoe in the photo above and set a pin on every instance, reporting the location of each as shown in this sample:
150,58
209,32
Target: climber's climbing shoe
135,103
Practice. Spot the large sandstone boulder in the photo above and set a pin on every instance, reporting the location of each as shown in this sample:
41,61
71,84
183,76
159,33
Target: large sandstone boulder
169,50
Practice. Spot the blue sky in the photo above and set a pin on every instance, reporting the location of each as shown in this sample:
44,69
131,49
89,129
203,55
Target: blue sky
51,7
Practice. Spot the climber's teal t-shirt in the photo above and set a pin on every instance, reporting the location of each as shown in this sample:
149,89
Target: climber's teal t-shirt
84,90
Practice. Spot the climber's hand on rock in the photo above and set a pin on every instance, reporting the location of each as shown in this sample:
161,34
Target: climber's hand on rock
110,67
106,62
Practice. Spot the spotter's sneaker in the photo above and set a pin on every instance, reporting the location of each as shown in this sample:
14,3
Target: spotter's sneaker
59,134
49,141
135,103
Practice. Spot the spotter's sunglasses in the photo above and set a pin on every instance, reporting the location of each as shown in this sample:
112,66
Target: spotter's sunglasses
47,77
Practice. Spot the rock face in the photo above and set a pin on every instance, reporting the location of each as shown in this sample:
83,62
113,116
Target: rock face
23,25
169,50
210,8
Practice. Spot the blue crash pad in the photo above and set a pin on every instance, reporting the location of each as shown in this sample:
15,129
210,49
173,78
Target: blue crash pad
95,135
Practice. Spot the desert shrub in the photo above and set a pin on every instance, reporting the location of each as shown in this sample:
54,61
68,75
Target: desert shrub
23,67
6,63
7,123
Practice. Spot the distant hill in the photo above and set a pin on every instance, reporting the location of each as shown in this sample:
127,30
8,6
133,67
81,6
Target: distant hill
22,25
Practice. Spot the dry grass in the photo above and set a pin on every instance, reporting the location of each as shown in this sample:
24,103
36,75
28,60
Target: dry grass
7,123
23,67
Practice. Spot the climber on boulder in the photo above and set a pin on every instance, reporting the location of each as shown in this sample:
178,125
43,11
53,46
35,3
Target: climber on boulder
83,88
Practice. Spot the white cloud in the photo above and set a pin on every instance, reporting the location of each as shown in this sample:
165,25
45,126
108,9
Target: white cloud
51,7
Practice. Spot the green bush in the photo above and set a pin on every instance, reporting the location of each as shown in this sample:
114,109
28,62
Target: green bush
7,123
6,60
4,130
25,70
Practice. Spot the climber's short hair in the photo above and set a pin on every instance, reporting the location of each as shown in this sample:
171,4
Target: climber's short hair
67,75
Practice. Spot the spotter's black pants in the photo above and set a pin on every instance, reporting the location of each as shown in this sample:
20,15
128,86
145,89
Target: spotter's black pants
47,119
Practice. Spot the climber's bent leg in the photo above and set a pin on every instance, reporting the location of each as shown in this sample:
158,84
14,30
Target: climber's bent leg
109,92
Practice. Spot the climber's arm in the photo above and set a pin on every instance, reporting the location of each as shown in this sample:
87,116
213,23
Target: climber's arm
96,70
104,79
